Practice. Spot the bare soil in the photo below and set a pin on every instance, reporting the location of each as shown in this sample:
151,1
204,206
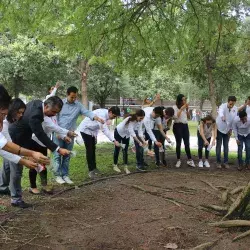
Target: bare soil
139,211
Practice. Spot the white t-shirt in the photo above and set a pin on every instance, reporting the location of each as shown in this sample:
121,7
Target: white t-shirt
183,116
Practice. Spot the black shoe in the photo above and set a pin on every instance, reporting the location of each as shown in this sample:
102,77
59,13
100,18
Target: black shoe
145,164
21,204
141,168
5,192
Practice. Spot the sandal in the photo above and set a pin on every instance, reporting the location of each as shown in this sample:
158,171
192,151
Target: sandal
34,191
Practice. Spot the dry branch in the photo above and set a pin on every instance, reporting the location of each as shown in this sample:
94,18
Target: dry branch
241,235
211,185
231,223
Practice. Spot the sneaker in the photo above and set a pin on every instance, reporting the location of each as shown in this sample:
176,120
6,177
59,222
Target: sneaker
191,163
92,174
21,204
67,180
240,167
226,166
116,169
219,166
200,164
178,164
164,163
97,171
60,180
34,191
206,164
140,168
126,169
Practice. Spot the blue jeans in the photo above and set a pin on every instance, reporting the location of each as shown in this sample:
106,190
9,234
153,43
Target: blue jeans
246,141
225,139
61,163
11,175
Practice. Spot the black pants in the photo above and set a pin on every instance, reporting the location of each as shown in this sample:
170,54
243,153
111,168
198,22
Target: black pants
32,172
181,131
201,145
159,137
147,138
117,149
139,152
90,145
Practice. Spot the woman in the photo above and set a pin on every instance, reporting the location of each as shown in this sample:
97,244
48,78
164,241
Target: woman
181,130
207,129
122,134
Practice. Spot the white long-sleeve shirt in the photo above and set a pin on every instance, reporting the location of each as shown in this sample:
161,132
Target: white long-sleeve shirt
125,129
53,93
240,128
149,122
49,127
229,115
91,127
4,138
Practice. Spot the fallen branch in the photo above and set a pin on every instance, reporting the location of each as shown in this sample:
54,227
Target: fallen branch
243,235
205,246
216,208
224,196
237,190
231,223
211,185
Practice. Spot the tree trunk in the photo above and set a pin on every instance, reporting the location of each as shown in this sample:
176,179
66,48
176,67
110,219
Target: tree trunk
17,81
211,86
84,69
201,103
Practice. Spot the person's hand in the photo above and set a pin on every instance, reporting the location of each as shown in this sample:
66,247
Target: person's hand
99,119
117,144
63,151
58,83
168,139
144,144
28,163
40,158
140,144
158,144
71,134
238,142
158,96
67,139
213,143
206,143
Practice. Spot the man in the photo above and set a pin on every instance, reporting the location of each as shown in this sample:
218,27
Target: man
241,129
152,119
246,106
89,130
67,118
226,114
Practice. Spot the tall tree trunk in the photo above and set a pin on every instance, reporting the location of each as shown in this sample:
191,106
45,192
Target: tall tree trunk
17,81
211,86
84,69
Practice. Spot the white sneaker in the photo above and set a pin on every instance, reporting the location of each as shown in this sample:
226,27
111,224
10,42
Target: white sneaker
126,169
67,180
60,180
116,169
200,165
178,164
191,163
206,164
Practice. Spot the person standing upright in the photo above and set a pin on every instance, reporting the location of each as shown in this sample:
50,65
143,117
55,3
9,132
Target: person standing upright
226,114
67,118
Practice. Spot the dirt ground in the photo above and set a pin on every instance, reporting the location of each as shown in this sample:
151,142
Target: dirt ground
138,211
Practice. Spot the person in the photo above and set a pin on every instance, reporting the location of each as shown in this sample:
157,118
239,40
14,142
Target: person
48,126
149,102
89,128
152,119
194,115
226,114
181,130
206,131
241,129
160,132
122,134
52,90
246,106
67,118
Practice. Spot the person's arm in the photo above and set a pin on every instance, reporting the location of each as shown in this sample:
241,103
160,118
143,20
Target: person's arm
214,134
187,110
181,110
242,107
132,132
202,133
5,130
235,130
104,128
150,133
221,112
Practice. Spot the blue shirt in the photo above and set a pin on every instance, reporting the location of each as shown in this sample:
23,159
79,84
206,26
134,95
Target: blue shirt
70,111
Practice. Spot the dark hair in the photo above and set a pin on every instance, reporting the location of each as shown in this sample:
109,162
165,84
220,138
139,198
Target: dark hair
133,117
72,89
242,114
15,105
5,98
115,110
158,111
169,111
54,101
248,98
179,101
231,99
208,118
49,88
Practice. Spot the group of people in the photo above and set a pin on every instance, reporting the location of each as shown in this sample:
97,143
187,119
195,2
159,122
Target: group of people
28,131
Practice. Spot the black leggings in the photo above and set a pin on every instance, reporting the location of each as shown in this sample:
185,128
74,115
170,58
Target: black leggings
201,145
32,172
147,138
117,149
159,137
181,131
